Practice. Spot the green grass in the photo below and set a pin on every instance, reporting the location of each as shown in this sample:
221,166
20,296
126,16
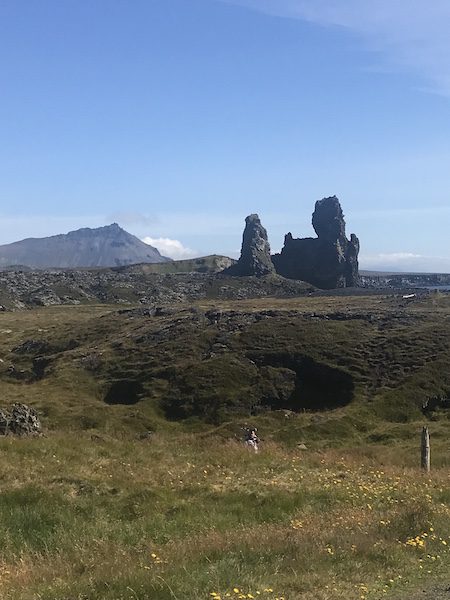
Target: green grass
385,359
82,518
84,508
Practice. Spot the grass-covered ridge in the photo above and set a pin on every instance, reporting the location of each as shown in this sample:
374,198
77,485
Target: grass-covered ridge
373,358
203,264
94,510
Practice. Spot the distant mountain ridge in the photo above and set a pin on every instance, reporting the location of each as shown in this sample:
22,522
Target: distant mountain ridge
109,246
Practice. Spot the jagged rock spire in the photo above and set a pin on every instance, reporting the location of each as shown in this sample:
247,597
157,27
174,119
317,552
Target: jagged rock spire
255,259
328,261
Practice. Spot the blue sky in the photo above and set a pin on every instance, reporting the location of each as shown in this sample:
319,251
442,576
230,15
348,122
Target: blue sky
177,118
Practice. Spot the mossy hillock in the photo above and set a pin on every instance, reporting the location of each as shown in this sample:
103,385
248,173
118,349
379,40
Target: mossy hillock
212,361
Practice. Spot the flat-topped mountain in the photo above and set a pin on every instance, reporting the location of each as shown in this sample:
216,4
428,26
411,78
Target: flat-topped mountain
109,246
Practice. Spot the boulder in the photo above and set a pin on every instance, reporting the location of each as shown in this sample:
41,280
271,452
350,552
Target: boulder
255,259
20,420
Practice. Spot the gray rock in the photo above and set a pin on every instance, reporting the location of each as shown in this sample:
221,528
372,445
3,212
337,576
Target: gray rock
255,259
32,347
328,220
124,285
20,420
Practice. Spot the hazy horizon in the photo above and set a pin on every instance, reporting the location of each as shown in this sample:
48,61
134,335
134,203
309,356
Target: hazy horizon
174,249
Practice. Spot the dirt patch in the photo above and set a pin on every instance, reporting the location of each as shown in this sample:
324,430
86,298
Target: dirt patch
441,592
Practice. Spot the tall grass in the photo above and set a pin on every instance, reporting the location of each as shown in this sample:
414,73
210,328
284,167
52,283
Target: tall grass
183,516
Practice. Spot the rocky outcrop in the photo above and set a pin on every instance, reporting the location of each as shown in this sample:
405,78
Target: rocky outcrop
328,261
255,259
20,290
20,420
214,263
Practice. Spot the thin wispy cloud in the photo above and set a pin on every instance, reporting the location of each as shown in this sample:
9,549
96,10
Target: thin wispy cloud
408,34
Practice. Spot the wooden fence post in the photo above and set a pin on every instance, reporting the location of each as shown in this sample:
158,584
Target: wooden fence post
425,453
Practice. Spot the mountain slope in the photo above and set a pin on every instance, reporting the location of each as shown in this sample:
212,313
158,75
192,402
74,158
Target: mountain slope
108,246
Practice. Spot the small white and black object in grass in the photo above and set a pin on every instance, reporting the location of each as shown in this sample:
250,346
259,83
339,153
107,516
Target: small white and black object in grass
251,438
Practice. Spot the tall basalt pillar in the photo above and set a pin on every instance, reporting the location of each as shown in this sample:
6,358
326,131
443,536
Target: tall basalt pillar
255,259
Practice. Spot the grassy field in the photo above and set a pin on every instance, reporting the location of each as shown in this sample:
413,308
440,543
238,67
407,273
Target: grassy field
94,510
189,516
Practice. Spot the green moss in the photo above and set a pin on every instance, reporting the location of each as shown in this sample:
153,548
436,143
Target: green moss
345,365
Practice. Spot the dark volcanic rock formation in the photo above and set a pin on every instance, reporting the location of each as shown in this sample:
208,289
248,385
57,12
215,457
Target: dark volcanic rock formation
125,285
328,261
255,256
109,246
